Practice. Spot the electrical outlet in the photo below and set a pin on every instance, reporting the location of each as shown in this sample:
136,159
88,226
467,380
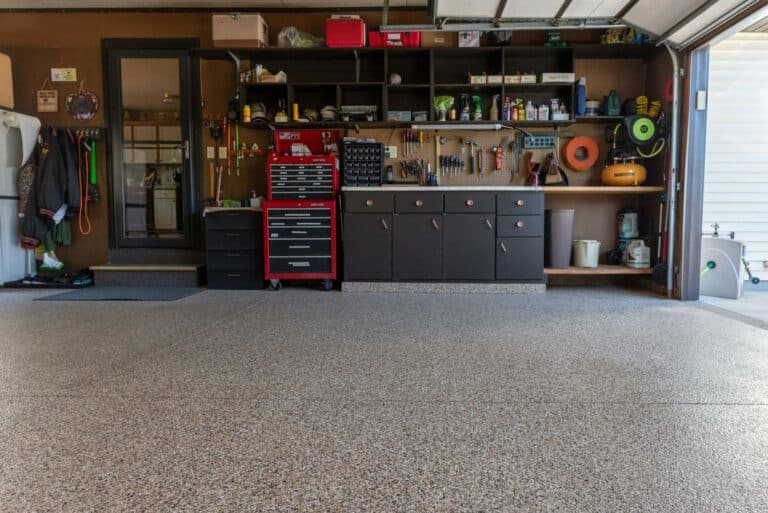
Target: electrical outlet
210,152
390,152
222,152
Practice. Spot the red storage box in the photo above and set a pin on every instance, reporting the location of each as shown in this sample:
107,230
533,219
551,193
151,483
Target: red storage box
344,32
378,39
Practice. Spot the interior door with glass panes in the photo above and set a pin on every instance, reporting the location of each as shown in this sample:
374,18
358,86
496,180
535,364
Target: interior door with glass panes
151,169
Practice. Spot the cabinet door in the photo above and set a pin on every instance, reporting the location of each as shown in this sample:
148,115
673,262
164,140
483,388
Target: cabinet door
418,246
468,252
520,259
367,243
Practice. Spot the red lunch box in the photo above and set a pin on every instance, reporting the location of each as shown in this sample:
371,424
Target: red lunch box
378,39
344,32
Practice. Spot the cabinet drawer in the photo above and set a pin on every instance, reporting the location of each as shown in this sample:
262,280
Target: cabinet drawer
235,280
299,248
469,202
297,233
235,220
311,222
375,201
418,202
233,239
520,226
520,203
298,213
308,265
520,259
234,260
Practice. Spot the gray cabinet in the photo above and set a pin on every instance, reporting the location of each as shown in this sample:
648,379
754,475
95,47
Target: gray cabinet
417,247
468,247
429,235
367,240
520,259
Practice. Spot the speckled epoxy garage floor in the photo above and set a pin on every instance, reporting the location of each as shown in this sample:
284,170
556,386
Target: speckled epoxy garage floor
579,400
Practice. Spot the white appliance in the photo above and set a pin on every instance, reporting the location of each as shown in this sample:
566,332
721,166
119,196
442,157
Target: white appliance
722,274
18,134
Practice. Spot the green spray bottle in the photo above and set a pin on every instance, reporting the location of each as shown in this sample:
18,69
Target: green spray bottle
477,114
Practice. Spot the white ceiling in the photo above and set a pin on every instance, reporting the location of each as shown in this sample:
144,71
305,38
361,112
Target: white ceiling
228,5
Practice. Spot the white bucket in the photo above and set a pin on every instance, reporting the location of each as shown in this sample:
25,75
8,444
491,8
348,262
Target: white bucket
586,253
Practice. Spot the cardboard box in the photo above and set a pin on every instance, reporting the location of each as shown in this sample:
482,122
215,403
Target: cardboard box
6,82
495,79
439,39
239,31
478,79
511,79
399,115
469,39
548,78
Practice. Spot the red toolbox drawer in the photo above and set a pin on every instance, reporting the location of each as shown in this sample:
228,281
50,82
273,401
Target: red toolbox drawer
345,32
378,39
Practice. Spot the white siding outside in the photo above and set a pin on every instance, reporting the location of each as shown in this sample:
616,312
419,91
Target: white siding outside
736,173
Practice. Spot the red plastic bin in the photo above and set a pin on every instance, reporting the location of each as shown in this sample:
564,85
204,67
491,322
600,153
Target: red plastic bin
344,32
378,39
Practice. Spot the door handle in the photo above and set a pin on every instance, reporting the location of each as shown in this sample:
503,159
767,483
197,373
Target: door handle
434,224
384,224
186,149
503,247
489,224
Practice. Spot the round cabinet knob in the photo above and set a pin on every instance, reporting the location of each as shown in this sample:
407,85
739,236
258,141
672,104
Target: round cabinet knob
519,224
419,203
520,203
470,202
369,203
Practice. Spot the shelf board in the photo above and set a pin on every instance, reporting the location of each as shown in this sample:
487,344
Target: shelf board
469,86
334,124
408,86
602,270
602,189
598,119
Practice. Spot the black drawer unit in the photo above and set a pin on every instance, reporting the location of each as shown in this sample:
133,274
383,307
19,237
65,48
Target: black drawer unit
234,249
362,163
301,240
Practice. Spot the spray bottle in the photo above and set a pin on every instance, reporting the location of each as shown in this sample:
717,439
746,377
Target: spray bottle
494,112
477,113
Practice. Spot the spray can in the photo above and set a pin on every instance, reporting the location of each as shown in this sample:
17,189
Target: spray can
507,111
581,97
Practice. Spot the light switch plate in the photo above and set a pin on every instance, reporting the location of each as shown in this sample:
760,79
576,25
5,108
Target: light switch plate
701,100
63,74
222,152
210,152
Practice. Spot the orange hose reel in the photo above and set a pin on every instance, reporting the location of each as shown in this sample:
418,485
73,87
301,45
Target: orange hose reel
581,153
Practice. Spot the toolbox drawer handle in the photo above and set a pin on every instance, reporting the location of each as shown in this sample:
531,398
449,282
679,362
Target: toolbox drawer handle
520,203
233,255
299,232
503,247
309,224
470,203
419,203
369,203
233,275
232,214
232,234
299,246
298,264
520,224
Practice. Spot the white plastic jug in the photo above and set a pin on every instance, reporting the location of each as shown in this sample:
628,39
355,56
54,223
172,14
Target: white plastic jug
586,253
637,255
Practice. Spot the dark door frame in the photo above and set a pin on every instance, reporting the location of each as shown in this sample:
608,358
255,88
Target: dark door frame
114,49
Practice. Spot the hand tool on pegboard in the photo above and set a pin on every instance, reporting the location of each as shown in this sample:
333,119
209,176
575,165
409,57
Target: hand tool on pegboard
472,161
500,154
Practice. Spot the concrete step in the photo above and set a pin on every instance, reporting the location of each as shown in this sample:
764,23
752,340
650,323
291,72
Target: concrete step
148,275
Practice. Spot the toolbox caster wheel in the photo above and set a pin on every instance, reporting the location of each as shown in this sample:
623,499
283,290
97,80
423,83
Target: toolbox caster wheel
327,284
755,281
275,285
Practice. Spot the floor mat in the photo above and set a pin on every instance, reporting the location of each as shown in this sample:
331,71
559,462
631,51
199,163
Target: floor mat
123,294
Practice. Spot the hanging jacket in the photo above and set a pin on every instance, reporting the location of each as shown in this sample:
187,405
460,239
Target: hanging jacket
68,142
52,175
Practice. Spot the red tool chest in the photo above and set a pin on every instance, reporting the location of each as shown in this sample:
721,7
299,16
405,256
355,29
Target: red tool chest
344,32
299,216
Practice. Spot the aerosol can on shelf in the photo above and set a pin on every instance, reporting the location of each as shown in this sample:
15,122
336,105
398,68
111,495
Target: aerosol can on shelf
494,112
507,111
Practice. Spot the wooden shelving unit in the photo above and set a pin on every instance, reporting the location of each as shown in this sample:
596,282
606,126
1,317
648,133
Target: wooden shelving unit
602,270
603,189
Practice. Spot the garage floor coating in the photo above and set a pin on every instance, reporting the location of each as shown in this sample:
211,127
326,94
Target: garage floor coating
578,400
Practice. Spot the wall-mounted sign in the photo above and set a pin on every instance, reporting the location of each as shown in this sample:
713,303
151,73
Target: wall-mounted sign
83,104
64,74
47,98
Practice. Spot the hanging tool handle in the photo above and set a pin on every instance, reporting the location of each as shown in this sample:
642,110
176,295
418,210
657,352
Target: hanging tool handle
92,177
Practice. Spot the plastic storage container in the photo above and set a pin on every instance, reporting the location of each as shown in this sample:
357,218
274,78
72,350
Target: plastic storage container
378,39
586,253
559,237
344,32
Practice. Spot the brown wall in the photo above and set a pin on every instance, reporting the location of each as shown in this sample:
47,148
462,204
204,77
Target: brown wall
37,42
